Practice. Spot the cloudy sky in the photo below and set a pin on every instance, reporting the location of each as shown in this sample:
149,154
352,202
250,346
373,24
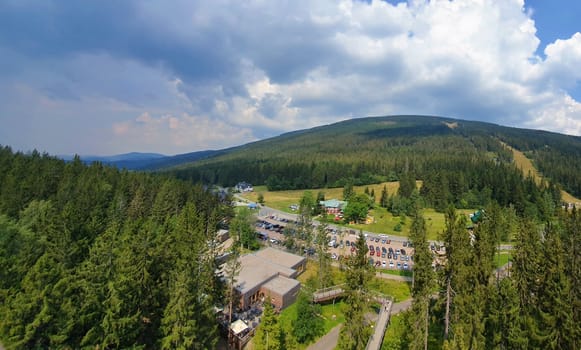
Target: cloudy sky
105,77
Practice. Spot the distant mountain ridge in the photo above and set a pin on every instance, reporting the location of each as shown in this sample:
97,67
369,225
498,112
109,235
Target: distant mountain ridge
145,161
372,149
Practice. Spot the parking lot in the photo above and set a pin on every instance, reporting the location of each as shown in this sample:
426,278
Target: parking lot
384,252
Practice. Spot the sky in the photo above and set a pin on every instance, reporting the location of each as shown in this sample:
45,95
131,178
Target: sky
103,77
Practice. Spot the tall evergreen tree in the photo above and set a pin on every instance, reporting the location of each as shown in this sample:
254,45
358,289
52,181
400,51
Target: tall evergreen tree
418,319
268,336
355,332
308,324
384,200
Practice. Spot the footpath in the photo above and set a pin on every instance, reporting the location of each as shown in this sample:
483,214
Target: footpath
330,340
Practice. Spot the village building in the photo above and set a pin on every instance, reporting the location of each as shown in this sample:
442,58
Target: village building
269,273
333,206
243,187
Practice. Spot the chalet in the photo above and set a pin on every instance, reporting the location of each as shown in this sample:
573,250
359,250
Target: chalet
333,206
243,187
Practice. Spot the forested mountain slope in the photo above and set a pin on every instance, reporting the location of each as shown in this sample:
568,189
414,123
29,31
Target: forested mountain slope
375,149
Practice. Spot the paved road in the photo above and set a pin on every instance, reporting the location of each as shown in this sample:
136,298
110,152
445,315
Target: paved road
267,211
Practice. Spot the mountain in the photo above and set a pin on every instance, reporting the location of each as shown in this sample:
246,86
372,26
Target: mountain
375,149
145,161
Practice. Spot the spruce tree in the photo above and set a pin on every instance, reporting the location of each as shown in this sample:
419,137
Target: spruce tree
418,318
355,331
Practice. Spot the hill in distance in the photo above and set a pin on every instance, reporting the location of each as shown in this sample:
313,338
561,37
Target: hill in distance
145,161
374,149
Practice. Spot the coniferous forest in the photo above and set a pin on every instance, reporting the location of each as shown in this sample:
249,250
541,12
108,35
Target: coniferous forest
93,257
96,257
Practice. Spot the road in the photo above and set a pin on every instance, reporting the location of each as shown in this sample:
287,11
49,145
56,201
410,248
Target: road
267,211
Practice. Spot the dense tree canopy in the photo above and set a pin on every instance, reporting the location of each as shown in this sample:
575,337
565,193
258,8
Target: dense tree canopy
95,257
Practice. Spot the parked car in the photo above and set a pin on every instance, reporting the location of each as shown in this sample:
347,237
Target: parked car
372,252
383,255
398,265
403,252
391,264
405,266
383,264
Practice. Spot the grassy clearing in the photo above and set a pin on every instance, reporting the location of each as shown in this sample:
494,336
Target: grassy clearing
394,336
384,221
405,273
332,315
281,200
400,291
527,167
502,259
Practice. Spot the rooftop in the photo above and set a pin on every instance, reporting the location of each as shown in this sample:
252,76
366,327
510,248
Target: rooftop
264,265
281,285
279,257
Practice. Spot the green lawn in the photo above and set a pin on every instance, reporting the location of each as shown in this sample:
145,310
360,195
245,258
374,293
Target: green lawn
332,315
502,259
406,273
394,334
400,291
384,221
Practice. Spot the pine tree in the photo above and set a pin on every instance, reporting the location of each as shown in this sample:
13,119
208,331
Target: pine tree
324,260
418,319
308,324
384,200
355,332
268,335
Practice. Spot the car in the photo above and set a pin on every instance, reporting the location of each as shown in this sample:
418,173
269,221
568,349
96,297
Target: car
402,258
352,248
403,252
391,250
377,249
372,252
334,256
383,241
399,265
383,264
397,251
389,256
391,264
309,251
274,241
377,263
405,266
407,258
347,243
371,247
377,239
389,241
383,255
405,243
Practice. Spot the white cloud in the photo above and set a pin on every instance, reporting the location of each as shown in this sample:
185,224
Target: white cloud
211,74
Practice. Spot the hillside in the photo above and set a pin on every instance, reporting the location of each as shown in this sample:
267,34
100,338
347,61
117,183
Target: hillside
377,149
